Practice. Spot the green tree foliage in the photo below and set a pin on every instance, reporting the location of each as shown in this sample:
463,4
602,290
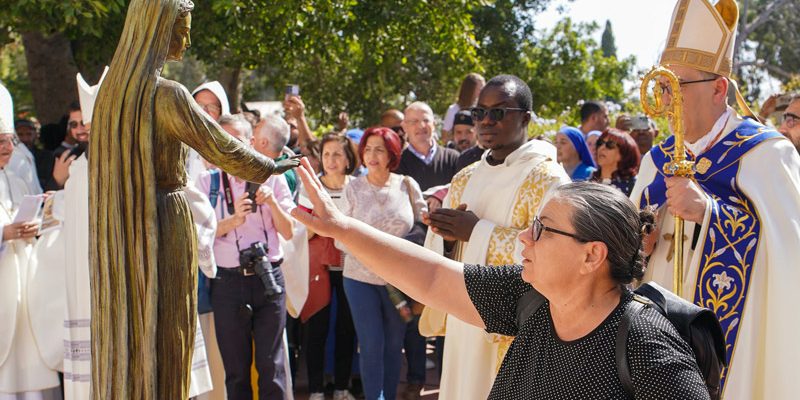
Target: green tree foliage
566,66
607,43
14,75
346,54
93,26
771,45
362,57
501,29
89,27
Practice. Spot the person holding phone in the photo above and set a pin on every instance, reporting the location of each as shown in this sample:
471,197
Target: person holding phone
244,309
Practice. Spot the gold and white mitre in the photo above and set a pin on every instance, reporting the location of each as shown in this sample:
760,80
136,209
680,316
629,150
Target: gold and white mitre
6,111
702,36
87,95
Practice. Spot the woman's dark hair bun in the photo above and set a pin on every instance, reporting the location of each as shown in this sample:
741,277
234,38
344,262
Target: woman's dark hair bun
647,219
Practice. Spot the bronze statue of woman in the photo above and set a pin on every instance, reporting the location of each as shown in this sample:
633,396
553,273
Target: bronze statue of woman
143,246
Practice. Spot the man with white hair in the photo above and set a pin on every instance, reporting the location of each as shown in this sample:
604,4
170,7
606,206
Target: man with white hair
430,165
270,138
425,160
247,307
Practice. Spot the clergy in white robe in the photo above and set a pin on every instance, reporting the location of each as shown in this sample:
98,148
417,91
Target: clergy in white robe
742,224
741,262
24,373
24,166
506,198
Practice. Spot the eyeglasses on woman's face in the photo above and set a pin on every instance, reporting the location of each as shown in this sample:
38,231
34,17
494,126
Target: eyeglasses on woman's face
538,227
610,144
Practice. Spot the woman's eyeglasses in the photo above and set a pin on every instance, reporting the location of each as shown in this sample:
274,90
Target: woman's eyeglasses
610,144
539,227
495,114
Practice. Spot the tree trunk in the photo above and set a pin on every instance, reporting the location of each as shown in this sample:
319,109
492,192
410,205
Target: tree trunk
231,80
52,70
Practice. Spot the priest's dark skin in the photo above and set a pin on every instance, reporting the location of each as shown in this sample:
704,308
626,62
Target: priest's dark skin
502,138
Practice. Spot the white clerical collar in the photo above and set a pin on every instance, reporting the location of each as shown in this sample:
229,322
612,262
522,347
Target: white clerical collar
723,124
532,148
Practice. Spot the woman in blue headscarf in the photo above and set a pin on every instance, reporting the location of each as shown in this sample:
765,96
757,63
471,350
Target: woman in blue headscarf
574,154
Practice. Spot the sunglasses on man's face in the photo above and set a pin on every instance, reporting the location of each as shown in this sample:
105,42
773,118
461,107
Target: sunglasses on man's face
74,124
610,144
495,114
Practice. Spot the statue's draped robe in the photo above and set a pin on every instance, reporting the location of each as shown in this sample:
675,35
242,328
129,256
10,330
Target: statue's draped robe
506,198
744,265
147,317
61,280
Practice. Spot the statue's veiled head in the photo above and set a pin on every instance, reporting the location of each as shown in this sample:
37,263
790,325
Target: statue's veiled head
181,38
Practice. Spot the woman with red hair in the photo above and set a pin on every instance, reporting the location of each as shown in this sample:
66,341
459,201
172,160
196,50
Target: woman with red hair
391,203
617,160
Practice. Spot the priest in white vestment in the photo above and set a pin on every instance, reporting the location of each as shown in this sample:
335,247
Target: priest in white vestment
502,192
742,230
24,373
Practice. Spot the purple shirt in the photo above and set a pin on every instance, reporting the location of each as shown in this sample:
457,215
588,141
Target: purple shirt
225,250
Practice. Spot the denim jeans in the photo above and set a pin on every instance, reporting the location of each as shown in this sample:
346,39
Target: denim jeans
414,344
380,332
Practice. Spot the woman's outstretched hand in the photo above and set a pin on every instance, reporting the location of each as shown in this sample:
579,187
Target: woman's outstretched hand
326,219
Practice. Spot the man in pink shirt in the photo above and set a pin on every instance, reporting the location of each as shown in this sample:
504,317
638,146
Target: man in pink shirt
247,296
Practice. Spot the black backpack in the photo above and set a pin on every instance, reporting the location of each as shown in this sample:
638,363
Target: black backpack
697,326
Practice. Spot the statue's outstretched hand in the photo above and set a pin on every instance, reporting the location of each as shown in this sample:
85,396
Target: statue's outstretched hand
325,219
286,164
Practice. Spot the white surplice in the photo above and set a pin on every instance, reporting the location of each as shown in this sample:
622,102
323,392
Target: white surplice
23,165
506,198
24,373
763,364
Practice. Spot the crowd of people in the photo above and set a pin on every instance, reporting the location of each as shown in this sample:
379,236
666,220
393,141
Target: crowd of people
422,233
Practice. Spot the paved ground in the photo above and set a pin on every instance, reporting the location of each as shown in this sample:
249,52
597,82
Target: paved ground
429,392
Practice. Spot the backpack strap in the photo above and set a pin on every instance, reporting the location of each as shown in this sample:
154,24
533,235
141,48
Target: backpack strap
213,191
527,305
632,309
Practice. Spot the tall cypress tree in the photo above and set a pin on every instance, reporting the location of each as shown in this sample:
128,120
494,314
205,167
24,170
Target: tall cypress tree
607,43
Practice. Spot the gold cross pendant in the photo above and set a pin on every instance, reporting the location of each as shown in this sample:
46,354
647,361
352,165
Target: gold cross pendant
671,238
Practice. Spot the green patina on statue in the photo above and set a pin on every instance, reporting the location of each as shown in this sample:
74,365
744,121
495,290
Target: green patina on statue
143,245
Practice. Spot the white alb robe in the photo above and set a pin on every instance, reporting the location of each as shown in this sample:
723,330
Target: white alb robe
24,373
23,165
506,197
763,364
